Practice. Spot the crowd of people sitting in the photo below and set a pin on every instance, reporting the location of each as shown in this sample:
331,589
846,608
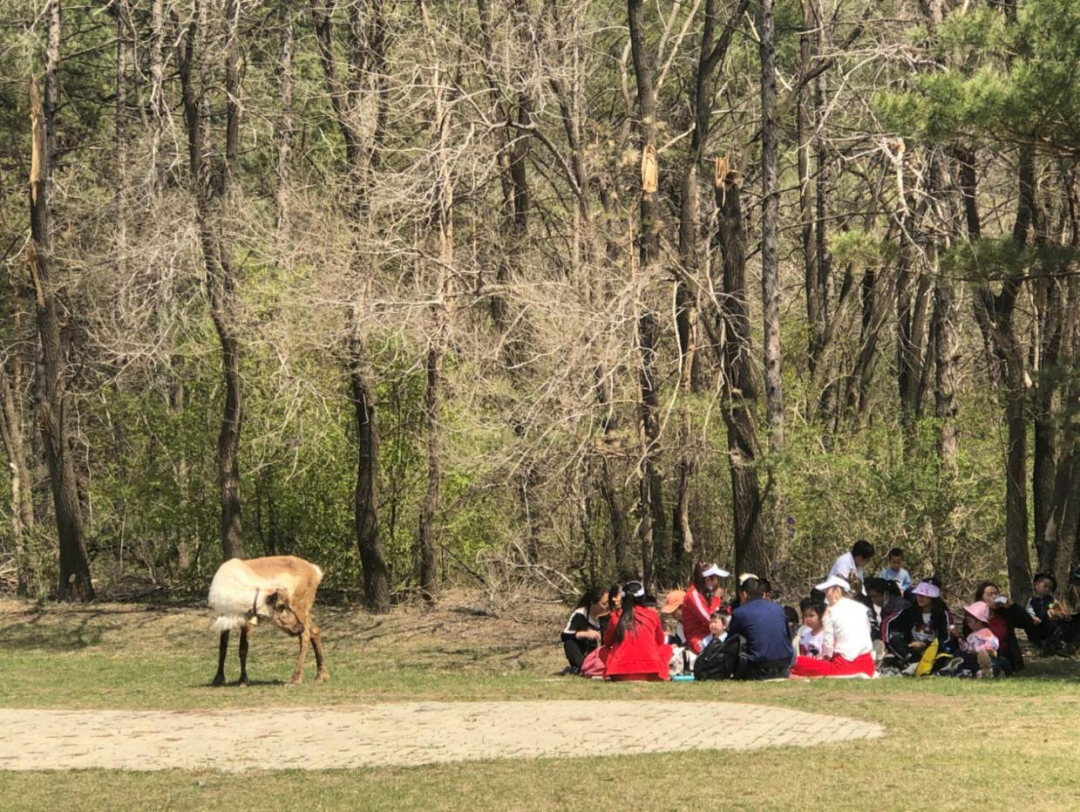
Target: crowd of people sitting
848,626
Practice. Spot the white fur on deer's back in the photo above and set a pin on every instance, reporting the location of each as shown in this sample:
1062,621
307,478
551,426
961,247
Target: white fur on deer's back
236,590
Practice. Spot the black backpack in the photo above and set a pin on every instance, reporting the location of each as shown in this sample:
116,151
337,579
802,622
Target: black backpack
717,661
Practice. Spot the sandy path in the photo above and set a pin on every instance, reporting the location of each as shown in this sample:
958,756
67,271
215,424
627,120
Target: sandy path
394,734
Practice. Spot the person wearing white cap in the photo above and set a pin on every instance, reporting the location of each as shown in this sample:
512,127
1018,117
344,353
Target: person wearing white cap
846,650
702,598
909,633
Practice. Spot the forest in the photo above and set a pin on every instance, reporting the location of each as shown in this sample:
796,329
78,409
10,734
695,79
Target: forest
536,292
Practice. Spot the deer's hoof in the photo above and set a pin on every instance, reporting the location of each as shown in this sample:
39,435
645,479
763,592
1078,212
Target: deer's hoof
243,684
322,677
218,682
294,681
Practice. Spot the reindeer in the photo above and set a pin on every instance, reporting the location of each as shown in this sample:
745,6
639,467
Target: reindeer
280,589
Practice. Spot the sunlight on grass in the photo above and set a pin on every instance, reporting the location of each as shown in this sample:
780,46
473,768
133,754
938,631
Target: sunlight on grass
950,744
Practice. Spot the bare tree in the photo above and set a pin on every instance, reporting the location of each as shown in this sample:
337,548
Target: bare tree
54,403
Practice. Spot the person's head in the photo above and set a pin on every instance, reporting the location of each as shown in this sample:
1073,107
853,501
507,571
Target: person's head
877,589
811,614
707,578
987,592
977,616
594,601
718,623
927,595
792,617
834,588
673,604
750,590
895,559
766,588
862,551
633,592
615,596
1044,585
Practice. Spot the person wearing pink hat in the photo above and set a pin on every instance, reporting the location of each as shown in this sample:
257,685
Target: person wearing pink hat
908,634
702,598
979,649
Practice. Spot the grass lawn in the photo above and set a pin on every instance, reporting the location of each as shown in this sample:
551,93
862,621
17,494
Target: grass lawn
951,744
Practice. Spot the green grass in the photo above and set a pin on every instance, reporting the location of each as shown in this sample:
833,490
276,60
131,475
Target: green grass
950,744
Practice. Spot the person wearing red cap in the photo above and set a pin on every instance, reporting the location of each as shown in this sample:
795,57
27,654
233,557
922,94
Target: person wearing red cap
635,640
846,647
702,598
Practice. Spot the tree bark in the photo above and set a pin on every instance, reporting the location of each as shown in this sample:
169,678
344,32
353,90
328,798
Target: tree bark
740,391
997,311
22,506
654,523
367,55
770,214
285,122
75,583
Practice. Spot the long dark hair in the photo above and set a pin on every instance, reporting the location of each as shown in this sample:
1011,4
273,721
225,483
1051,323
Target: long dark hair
981,588
627,622
591,596
698,578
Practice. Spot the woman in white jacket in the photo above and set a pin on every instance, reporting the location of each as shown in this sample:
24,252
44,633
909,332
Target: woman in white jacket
847,650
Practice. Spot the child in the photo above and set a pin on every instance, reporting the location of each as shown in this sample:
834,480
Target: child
718,623
894,569
1053,625
812,632
980,647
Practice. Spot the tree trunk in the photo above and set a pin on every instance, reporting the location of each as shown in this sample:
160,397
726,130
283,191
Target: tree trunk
770,214
285,123
367,55
651,490
740,391
22,507
376,575
75,583
998,312
430,506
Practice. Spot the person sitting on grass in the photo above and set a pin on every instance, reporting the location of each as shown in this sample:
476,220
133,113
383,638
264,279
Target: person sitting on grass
673,607
847,650
1054,628
1005,618
812,632
718,624
702,598
908,634
980,648
758,637
894,569
636,650
583,633
851,566
877,593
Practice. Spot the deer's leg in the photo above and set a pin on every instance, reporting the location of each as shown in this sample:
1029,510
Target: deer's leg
223,647
243,656
298,673
320,661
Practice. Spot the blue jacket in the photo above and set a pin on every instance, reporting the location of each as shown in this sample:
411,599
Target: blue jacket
765,628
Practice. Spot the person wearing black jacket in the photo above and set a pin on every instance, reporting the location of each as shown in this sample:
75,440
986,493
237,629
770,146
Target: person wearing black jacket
584,629
909,633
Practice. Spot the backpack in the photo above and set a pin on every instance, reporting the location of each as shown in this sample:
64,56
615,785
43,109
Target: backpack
716,661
